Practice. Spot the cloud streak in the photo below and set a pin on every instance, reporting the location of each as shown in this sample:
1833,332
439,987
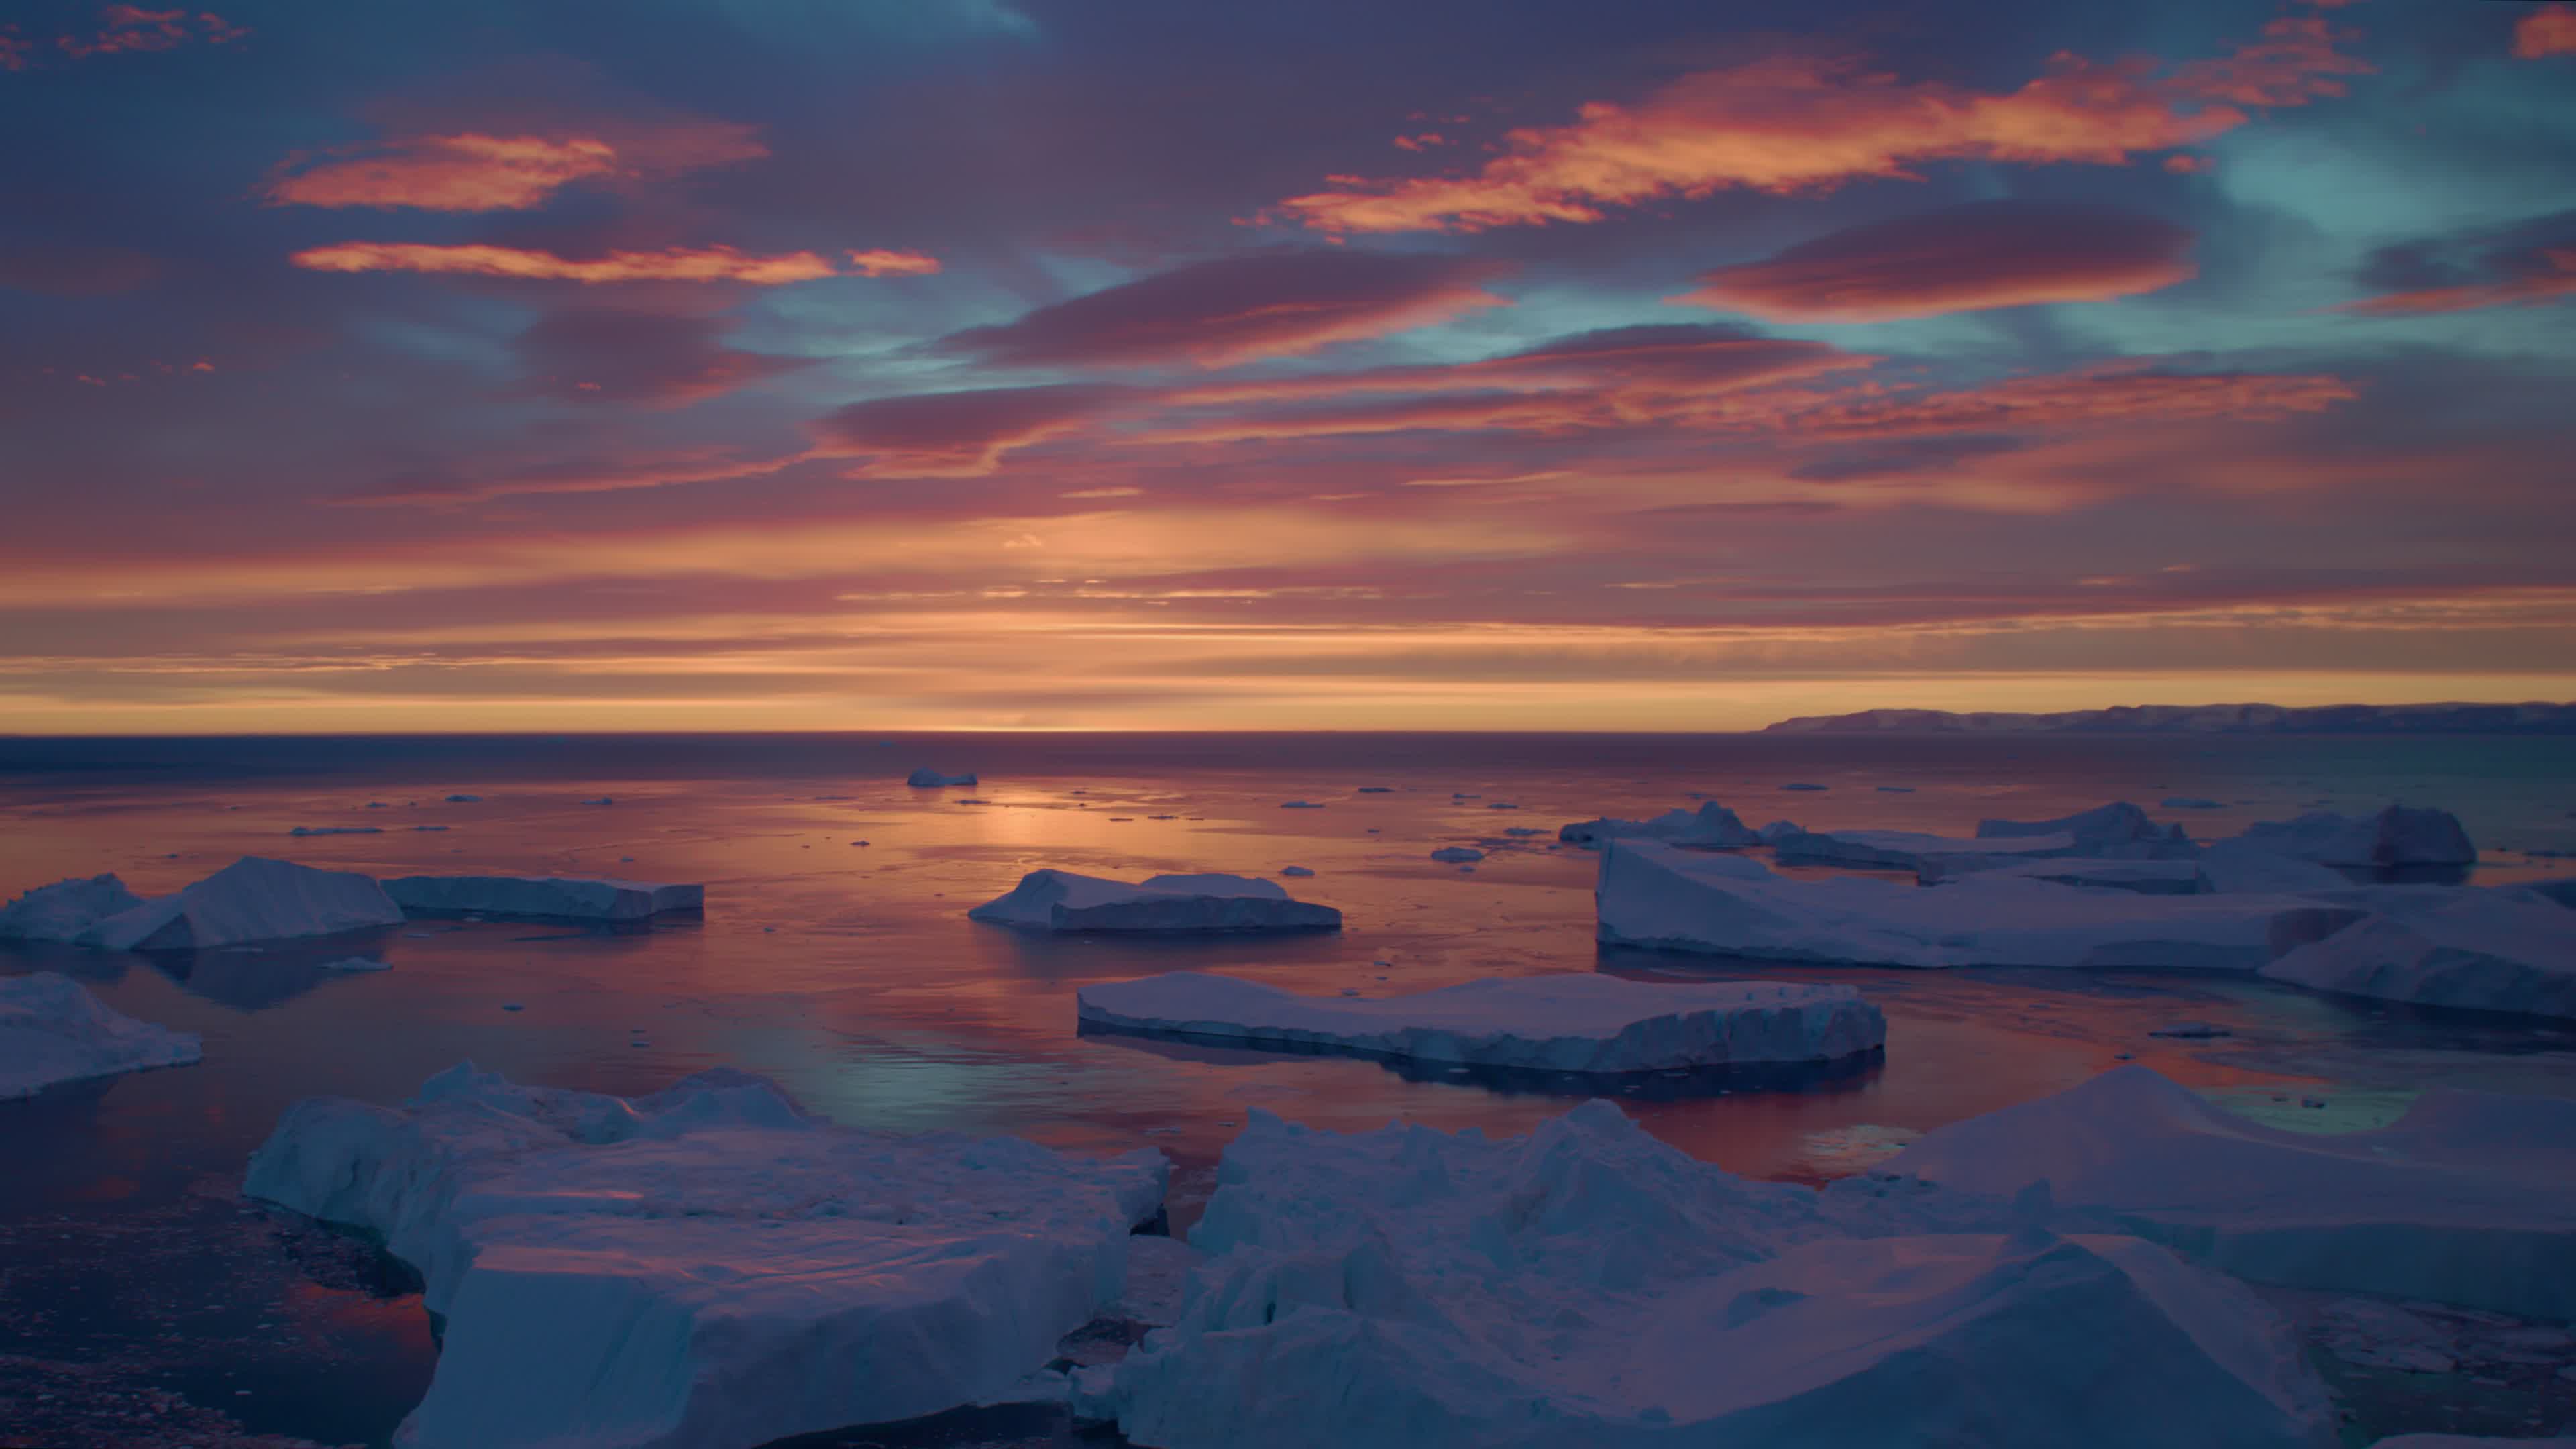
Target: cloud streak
475,259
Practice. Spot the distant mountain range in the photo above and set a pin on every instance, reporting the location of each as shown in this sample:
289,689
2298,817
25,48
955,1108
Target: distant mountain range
2205,719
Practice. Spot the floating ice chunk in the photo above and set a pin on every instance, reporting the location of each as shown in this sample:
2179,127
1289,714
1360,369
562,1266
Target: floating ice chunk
2462,1200
1711,825
356,963
600,800
2395,836
1377,789
463,799
2477,949
2236,866
1457,854
2119,829
337,830
61,911
542,897
1572,1023
669,1270
2189,802
1913,850
1586,1285
252,899
1299,805
1777,831
2146,877
52,1030
1804,785
927,778
1056,900
1295,870
1653,895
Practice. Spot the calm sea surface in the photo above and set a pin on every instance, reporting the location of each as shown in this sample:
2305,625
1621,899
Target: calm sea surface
835,957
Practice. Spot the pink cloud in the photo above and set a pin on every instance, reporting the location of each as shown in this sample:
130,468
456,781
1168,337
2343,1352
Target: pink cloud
959,434
674,264
2549,30
481,171
1797,123
879,262
124,29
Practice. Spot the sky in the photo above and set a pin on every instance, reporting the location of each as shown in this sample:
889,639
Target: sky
1051,364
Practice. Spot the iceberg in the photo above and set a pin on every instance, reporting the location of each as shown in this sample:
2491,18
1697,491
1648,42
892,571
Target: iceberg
2118,829
1587,1285
1911,850
61,911
1712,825
2474,949
927,778
555,898
252,899
337,830
52,1030
2235,867
1588,1024
2462,1200
2190,802
1457,854
2394,837
707,1265
1652,895
2146,877
1057,900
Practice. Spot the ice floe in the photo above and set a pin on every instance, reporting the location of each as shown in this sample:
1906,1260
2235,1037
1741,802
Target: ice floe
927,778
2395,837
2119,829
707,1266
1457,854
337,830
2483,950
53,1030
1589,1024
542,897
1057,900
252,899
1911,850
2236,867
61,911
1711,825
2146,877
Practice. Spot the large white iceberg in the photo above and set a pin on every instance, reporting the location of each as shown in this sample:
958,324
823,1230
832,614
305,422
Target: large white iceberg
52,1030
1057,900
2478,949
545,897
2462,1200
1711,825
927,778
1913,850
61,911
2396,836
1655,896
2236,867
706,1266
2116,829
2146,877
252,899
1572,1023
1587,1285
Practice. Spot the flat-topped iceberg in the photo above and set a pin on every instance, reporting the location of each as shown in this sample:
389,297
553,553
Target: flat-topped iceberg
1057,900
1712,825
2236,867
61,911
542,897
2481,950
1652,895
1912,850
2395,837
2463,1200
1571,1023
1588,1285
927,778
2117,829
252,899
52,1030
2146,877
706,1266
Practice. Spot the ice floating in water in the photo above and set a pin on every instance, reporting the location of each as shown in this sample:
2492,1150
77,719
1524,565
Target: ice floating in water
356,963
252,899
1711,825
1057,900
1912,850
2190,802
1777,831
2395,836
928,778
1803,785
1295,870
1653,895
542,897
2463,1200
2481,950
706,1266
337,830
463,799
1299,805
52,1030
2146,877
1588,1285
2233,866
2119,830
1573,1023
1457,854
600,800
61,911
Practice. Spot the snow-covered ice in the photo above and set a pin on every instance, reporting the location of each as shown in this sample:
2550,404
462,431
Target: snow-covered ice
1711,825
1457,854
544,897
706,1266
1057,900
2190,802
1652,895
1572,1023
2485,950
2147,877
1588,1285
356,963
2462,1200
927,778
61,911
2118,829
2396,836
1912,850
252,899
2235,867
52,1030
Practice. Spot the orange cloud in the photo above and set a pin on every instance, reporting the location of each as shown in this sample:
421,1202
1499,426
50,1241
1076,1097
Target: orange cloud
1963,259
879,262
2549,30
2542,275
481,171
674,264
1799,123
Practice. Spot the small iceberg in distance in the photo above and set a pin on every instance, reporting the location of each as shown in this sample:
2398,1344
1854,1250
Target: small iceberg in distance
1057,900
926,778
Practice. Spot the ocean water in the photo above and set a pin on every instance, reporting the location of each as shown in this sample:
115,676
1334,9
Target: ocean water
834,956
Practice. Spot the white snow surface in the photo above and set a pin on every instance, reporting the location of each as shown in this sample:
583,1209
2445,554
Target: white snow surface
1570,1023
706,1267
547,897
1711,825
252,899
61,911
928,778
2235,866
1588,1285
2462,1200
1057,900
2146,877
52,1030
2453,946
2396,836
1913,850
2117,829
1652,895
